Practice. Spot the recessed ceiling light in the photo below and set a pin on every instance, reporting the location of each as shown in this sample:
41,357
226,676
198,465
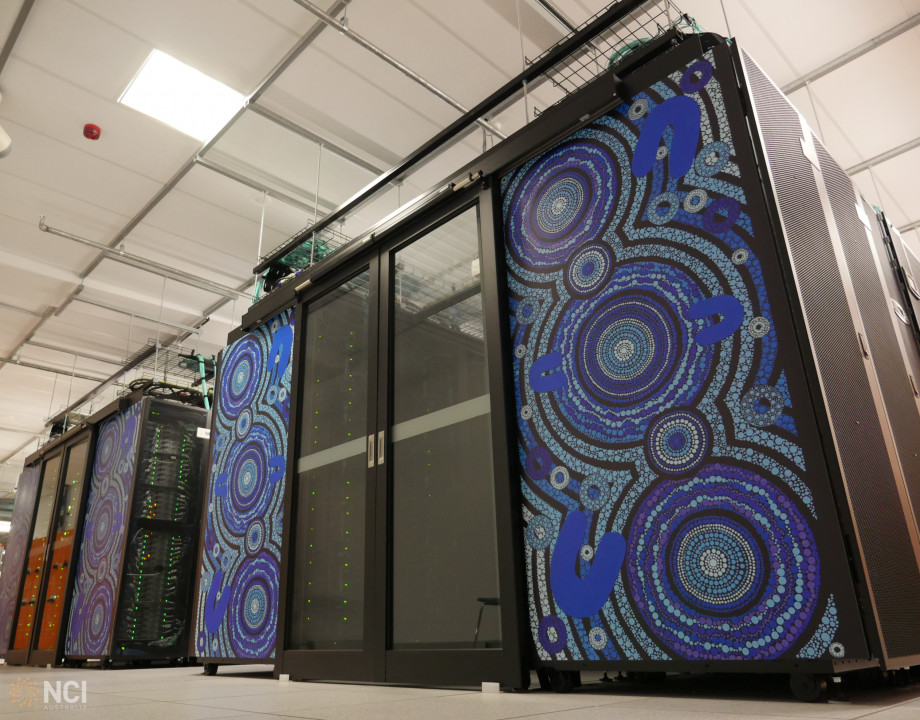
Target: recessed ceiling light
181,96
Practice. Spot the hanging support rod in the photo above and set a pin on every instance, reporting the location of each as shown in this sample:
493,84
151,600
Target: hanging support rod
78,353
49,369
144,264
139,316
614,14
393,62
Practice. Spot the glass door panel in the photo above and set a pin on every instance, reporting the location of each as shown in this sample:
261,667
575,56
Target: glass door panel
35,568
62,539
444,553
328,573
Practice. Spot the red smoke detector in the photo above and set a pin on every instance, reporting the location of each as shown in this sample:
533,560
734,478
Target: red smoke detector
91,132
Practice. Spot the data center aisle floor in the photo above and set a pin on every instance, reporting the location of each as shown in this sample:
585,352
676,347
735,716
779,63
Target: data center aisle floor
250,693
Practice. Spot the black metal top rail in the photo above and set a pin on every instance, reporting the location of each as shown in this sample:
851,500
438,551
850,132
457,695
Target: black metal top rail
549,64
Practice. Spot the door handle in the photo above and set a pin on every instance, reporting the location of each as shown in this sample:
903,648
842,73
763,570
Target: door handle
370,450
381,444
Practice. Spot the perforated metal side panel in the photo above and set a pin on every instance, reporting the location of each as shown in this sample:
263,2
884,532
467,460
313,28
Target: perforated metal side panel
873,300
871,482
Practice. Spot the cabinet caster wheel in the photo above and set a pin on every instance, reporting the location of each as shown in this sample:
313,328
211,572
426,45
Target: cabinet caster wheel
562,681
210,668
808,688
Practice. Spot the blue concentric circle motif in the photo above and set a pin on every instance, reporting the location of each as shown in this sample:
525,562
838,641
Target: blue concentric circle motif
243,369
677,442
597,636
721,215
255,537
255,606
248,477
243,423
696,76
663,208
712,159
540,532
589,269
695,200
594,493
563,200
539,463
527,310
762,405
553,635
629,348
723,565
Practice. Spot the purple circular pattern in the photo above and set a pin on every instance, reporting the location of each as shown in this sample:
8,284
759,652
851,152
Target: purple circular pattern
690,83
629,348
588,269
92,608
721,215
563,200
242,373
555,642
678,441
97,544
107,448
254,607
247,478
539,463
243,527
723,566
97,615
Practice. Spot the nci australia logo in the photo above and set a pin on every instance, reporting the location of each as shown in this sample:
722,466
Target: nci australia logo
47,695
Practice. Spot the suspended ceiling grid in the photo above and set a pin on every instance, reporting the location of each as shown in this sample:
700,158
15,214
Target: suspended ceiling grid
210,211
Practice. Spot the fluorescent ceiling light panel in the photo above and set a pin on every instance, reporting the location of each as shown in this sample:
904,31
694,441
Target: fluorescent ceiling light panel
181,96
5,526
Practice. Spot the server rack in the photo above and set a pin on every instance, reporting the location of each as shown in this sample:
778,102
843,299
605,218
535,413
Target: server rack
134,579
715,391
710,390
236,599
16,549
54,496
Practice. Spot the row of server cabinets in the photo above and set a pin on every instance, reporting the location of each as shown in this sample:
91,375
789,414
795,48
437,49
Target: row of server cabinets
683,432
643,398
101,556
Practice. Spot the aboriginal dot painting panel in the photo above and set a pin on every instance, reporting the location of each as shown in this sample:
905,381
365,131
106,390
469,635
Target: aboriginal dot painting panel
237,608
89,633
663,495
16,545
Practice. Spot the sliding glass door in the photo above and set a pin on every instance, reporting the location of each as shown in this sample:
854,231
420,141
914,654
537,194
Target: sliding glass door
331,584
395,571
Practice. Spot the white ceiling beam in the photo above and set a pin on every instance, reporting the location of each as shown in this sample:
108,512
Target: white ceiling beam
334,148
273,75
139,316
77,353
255,185
394,63
16,308
885,156
170,273
49,369
24,11
851,55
